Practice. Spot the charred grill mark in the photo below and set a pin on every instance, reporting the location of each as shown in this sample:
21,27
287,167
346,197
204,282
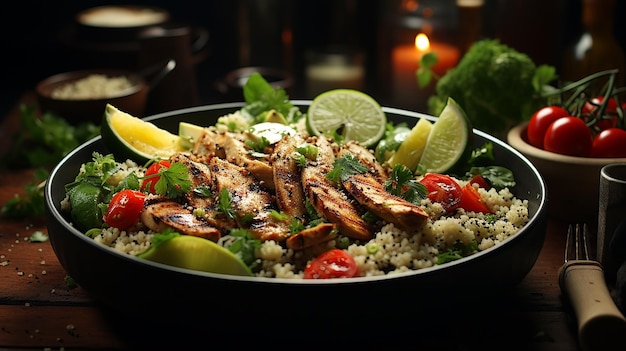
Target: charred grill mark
371,194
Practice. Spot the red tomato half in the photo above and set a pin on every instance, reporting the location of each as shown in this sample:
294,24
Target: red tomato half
153,169
568,136
124,209
540,121
471,200
443,189
610,142
333,263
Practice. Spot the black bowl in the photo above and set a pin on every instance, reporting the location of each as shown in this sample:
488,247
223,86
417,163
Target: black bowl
134,286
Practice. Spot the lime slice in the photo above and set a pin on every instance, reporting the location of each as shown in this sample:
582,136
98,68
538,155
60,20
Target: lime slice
350,113
133,138
448,142
411,149
192,252
188,134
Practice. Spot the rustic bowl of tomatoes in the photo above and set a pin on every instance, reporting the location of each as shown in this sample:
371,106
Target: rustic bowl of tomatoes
569,149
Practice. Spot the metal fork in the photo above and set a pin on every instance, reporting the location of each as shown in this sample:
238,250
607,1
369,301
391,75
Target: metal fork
600,322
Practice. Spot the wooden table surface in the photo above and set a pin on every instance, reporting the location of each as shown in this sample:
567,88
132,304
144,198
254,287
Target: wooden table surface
38,310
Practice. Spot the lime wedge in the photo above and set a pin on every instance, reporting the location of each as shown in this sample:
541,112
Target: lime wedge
410,151
188,134
192,252
448,142
349,113
133,138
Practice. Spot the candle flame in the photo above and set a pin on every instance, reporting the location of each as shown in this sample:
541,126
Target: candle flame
421,42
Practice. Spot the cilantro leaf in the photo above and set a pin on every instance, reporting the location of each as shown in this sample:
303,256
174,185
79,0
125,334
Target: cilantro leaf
344,167
457,251
402,183
245,246
174,180
224,204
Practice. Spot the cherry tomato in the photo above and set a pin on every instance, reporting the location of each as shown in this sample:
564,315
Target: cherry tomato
610,142
568,136
471,200
333,263
152,170
442,189
540,121
124,209
481,181
610,114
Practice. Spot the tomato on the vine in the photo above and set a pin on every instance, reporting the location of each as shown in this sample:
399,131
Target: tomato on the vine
443,189
610,142
540,121
151,177
568,136
333,263
124,209
610,118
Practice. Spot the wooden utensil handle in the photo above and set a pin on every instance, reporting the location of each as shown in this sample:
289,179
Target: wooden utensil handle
600,322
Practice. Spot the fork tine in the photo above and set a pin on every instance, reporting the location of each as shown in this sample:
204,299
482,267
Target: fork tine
585,249
576,245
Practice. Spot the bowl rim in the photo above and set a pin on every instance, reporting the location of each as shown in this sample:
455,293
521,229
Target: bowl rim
516,140
45,87
52,209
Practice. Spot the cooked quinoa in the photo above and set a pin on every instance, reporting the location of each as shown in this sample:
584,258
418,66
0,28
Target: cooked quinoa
94,86
390,251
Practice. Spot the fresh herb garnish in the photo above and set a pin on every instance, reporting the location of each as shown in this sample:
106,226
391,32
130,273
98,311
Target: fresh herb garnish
261,97
245,246
258,145
402,183
202,191
174,180
344,167
224,204
457,251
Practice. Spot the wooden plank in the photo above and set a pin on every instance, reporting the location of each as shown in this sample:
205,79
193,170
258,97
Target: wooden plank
55,327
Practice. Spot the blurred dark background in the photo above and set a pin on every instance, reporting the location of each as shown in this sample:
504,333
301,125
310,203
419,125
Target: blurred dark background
279,33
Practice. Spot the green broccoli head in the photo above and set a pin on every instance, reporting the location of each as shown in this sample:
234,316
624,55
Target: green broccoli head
494,85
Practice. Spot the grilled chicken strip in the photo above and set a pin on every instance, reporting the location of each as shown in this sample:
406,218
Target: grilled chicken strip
290,196
312,236
200,176
251,203
160,212
366,157
330,202
370,193
231,147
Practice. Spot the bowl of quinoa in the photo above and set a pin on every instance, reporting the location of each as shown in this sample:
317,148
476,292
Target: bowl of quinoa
81,96
397,267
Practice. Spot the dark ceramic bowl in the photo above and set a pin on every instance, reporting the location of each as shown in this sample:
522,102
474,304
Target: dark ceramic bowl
137,287
77,110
